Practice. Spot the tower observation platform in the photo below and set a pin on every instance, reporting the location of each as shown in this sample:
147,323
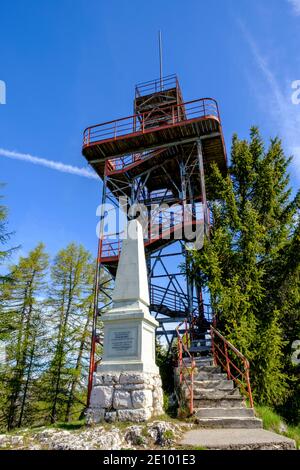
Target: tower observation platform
159,157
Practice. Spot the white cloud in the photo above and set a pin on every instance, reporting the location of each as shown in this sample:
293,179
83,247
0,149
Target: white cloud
278,102
296,6
58,166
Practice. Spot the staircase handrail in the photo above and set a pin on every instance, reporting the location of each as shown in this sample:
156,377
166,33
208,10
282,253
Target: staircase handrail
227,366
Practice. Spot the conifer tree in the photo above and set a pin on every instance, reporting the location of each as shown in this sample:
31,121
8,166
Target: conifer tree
69,312
78,385
22,312
243,263
4,237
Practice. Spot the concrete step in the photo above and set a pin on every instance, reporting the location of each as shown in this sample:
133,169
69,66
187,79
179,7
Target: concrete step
211,393
199,366
205,372
199,376
210,402
214,384
200,348
205,362
224,412
200,360
236,439
200,341
209,369
228,422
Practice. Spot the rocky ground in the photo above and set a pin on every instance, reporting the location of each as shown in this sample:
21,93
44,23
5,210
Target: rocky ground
153,435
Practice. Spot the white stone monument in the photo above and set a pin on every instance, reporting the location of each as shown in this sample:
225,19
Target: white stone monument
127,384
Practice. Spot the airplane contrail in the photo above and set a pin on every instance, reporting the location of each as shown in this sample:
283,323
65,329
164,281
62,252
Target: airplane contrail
58,166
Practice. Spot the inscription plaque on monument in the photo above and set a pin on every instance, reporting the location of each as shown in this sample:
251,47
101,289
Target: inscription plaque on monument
122,342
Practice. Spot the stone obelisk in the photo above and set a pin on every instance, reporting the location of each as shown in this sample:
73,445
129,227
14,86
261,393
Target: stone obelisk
127,384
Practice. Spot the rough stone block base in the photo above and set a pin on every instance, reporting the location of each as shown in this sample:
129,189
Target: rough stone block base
125,396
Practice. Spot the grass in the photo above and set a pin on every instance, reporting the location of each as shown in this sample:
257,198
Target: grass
273,422
169,435
121,425
293,432
71,426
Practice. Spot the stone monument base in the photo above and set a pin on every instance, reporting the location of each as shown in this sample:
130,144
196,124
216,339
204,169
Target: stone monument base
125,396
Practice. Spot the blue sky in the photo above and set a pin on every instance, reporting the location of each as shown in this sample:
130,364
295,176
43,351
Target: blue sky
68,64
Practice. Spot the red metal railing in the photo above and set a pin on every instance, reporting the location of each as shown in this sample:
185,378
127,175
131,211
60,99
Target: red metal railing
145,122
111,248
223,352
120,163
162,225
154,86
186,370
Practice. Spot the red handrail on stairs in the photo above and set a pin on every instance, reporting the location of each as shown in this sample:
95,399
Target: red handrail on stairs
222,351
221,348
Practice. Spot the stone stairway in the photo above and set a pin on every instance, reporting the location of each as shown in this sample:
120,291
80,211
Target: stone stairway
217,402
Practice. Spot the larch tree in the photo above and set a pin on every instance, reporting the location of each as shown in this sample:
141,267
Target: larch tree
82,339
22,311
69,322
4,238
5,327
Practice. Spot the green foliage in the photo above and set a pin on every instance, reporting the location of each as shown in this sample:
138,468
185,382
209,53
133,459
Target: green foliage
269,363
4,235
22,316
271,420
169,434
4,239
251,263
46,325
72,425
183,411
165,402
293,432
165,364
70,304
274,422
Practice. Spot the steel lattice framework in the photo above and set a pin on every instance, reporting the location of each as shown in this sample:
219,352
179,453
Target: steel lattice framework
154,160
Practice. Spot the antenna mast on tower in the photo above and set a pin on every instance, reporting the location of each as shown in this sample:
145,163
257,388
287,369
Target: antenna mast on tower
160,60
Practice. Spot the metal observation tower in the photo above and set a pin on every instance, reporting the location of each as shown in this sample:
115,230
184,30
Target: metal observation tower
157,159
